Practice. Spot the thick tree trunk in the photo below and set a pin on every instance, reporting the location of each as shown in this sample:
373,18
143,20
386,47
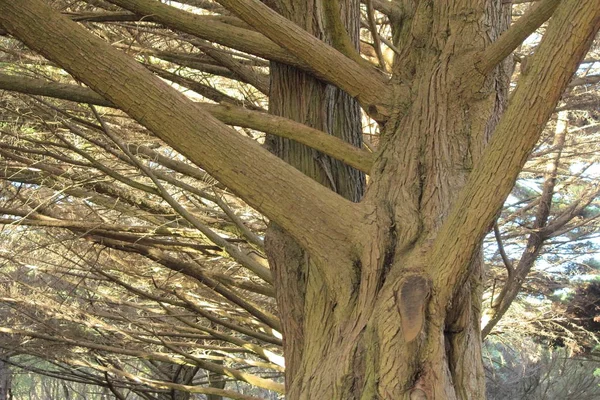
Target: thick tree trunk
299,96
397,342
377,311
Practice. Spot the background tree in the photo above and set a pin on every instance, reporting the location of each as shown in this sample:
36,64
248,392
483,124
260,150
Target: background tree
358,281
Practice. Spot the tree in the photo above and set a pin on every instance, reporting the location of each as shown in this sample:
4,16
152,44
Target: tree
379,294
525,370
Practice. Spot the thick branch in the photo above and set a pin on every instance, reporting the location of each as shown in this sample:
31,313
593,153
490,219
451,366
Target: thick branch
569,35
229,114
300,205
366,84
537,236
43,87
286,128
105,16
211,29
515,35
585,80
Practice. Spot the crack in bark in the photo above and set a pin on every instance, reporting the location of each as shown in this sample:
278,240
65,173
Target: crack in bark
389,255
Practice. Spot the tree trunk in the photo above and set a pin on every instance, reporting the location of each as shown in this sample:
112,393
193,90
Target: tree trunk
299,96
374,309
5,381
392,340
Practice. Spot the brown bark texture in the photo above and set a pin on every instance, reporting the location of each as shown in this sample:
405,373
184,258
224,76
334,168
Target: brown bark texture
301,97
378,287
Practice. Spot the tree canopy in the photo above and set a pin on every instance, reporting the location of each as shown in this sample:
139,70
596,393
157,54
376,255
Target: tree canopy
191,190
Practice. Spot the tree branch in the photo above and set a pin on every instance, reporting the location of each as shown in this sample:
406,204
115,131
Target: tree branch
210,366
390,8
227,113
192,270
245,73
211,29
515,35
339,36
568,37
374,33
42,87
585,80
286,128
507,263
319,219
246,261
205,91
365,84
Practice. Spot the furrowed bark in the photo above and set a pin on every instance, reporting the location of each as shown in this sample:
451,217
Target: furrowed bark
398,316
392,341
304,300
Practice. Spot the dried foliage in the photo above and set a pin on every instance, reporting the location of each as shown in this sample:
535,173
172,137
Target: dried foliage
124,265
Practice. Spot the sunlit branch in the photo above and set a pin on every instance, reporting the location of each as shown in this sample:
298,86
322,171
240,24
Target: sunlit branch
516,135
366,84
262,271
227,113
515,35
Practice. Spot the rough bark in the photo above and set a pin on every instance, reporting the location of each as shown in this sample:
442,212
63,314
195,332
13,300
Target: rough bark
300,97
187,124
379,299
326,62
386,343
327,360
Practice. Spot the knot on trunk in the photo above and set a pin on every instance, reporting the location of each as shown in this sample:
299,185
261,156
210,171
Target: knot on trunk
418,394
412,300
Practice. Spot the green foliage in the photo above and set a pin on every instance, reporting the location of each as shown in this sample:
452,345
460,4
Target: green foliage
521,369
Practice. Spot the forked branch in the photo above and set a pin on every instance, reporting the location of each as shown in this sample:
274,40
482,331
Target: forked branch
312,214
567,39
